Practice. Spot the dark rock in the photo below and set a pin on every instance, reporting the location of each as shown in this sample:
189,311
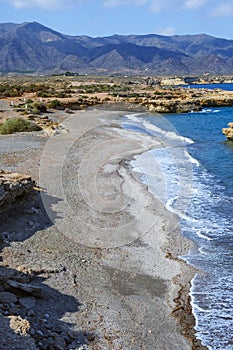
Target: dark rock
6,297
31,313
60,343
90,336
24,288
40,333
27,302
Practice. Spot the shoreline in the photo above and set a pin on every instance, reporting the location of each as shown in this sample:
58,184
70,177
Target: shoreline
122,278
182,302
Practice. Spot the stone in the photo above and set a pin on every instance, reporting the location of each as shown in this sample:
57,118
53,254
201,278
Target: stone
19,325
24,288
48,326
27,302
31,223
60,343
13,185
7,297
58,329
90,337
40,333
228,132
4,237
31,313
32,331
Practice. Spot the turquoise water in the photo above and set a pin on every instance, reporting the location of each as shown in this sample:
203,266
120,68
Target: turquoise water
196,168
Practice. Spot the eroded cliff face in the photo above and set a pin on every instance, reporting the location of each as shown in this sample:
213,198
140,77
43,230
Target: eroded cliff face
228,132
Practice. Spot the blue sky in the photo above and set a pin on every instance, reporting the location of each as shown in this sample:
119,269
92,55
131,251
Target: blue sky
107,17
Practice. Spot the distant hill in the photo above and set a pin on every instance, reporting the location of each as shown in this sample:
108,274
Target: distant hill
34,47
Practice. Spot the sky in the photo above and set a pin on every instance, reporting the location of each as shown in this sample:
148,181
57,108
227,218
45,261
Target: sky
108,17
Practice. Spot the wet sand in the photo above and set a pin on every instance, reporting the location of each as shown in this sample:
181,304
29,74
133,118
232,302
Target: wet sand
114,247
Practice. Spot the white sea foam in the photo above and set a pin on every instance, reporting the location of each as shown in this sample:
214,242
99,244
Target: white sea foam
182,215
169,135
207,110
198,199
192,160
196,307
202,235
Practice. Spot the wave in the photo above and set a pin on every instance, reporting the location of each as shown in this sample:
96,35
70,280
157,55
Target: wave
207,110
203,206
159,132
192,160
200,234
171,207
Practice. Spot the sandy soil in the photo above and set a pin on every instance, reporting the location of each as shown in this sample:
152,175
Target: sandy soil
103,251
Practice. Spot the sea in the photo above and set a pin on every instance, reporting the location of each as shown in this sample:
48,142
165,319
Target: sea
192,173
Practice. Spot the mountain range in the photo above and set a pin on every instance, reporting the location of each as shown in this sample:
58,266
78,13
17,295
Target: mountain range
32,47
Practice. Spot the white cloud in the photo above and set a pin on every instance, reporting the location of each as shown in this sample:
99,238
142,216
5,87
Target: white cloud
158,5
154,5
116,3
165,31
214,7
194,4
224,9
44,4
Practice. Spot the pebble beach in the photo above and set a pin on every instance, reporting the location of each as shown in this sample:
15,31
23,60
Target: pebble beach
102,251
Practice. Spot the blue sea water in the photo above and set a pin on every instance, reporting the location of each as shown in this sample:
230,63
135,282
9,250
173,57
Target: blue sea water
226,86
195,169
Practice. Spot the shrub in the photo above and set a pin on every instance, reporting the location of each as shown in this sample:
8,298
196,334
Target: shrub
38,107
18,125
55,104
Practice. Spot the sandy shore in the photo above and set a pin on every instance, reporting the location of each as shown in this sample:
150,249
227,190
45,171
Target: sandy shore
104,252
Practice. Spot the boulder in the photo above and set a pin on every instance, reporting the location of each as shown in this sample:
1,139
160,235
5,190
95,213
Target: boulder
23,288
7,297
13,185
228,132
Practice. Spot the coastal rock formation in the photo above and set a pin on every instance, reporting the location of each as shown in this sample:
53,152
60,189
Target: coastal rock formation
228,132
13,185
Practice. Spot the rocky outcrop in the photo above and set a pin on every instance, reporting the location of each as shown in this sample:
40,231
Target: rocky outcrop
13,185
228,132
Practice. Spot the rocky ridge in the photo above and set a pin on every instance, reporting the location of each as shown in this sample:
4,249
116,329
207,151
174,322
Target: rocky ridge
33,47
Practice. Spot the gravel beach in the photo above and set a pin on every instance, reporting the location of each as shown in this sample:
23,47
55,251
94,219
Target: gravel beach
102,251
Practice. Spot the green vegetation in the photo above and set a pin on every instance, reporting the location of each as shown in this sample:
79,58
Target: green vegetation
18,125
53,92
54,104
71,74
37,107
108,88
30,106
17,88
